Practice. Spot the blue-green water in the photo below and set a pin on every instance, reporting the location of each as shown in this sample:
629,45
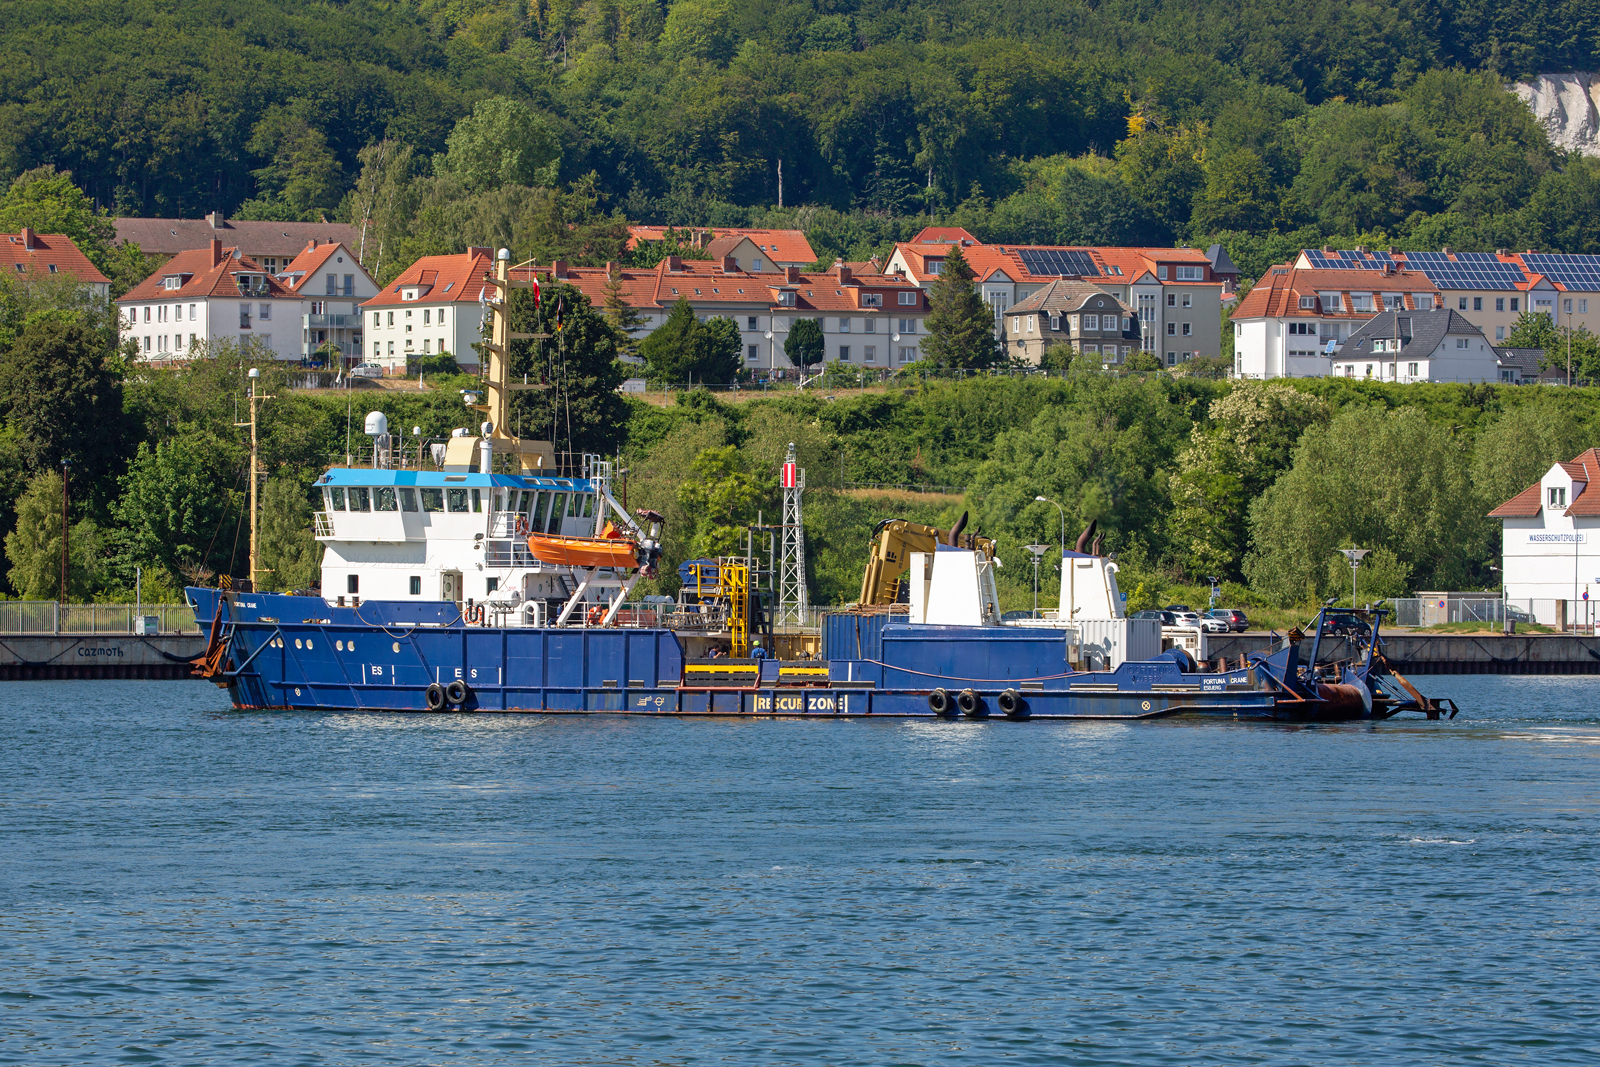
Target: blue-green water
183,884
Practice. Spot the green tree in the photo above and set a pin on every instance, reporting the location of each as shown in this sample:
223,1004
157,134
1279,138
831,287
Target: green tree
1533,330
1373,478
723,498
804,346
290,556
622,316
503,142
46,201
34,547
699,29
960,324
1516,449
178,506
302,179
61,391
669,352
718,344
581,411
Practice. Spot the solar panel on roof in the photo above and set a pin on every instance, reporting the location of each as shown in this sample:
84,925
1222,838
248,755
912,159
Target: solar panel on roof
1580,273
1468,270
1063,261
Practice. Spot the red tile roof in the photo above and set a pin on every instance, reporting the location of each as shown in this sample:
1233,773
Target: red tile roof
306,265
1278,293
1584,468
450,279
703,283
944,235
39,252
204,272
167,237
784,246
1129,264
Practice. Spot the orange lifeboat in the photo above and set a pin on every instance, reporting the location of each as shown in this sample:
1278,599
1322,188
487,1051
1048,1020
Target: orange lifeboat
584,551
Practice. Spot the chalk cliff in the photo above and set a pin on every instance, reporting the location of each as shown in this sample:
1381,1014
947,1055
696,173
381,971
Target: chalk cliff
1568,106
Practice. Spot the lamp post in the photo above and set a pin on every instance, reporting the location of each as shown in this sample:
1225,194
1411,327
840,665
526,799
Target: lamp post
1038,551
1047,500
1354,555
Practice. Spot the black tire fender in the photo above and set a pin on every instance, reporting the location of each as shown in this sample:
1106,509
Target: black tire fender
939,703
1012,704
435,696
972,704
457,692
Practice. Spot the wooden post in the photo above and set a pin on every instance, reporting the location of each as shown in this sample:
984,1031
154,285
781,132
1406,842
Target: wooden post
65,465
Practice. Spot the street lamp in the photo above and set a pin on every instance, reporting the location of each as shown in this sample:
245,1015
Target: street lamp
1354,555
1215,592
1047,500
1038,551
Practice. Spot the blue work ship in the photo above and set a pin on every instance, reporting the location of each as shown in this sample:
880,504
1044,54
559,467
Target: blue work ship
475,574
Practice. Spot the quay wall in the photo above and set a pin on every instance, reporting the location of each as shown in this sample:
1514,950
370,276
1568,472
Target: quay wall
31,656
1449,653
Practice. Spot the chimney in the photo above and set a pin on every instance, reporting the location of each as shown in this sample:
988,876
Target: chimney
841,273
1363,249
478,250
1446,249
674,262
611,267
730,265
217,220
27,237
1502,251
216,252
558,269
1327,250
311,245
791,275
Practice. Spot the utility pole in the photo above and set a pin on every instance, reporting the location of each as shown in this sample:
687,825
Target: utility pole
255,377
65,465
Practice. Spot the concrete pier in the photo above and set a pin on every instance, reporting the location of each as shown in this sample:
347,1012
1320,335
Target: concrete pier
1449,653
28,656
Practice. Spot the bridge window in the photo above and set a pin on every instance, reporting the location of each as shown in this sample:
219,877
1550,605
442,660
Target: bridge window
408,500
432,499
416,585
336,498
386,499
360,499
457,499
477,500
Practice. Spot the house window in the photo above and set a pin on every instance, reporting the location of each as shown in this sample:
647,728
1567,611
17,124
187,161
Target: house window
1172,300
416,585
751,323
908,355
441,316
1515,303
1016,324
426,342
1055,322
934,266
1360,302
1032,324
844,325
1172,329
1191,274
1187,330
391,319
1172,360
1461,304
376,320
872,300
1369,370
1333,301
869,354
1461,342
1477,303
1425,303
755,264
844,353
244,316
1161,272
1188,299
1499,303
1583,307
349,285
908,299
1091,322
786,299
377,348
333,287
1558,496
908,325
1411,369
427,317
753,354
147,312
871,325
1499,333
1308,303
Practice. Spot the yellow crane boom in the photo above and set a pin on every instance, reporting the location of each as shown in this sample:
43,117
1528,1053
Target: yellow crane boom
893,541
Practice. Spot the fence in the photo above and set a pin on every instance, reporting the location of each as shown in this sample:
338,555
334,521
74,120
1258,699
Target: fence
1434,611
946,490
48,617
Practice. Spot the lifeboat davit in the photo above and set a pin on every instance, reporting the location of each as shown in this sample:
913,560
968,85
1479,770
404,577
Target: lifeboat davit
584,551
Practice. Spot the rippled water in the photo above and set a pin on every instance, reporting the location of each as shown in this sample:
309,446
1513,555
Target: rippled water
185,884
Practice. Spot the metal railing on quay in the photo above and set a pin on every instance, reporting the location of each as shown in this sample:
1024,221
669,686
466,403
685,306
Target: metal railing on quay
49,617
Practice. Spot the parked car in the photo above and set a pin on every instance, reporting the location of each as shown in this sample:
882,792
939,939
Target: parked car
1177,607
1208,625
367,370
1165,618
1515,614
1344,624
1236,620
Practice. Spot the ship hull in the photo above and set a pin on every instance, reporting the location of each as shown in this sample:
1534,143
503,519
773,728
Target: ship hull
298,653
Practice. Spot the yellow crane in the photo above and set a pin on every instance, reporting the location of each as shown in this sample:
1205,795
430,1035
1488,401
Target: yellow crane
893,541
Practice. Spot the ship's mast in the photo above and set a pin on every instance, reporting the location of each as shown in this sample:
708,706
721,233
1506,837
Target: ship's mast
497,386
792,565
255,468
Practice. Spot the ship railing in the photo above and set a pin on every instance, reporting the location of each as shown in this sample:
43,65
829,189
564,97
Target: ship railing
508,554
50,617
405,451
322,523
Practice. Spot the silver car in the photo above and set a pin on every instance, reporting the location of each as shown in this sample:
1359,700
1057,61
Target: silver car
1205,625
367,370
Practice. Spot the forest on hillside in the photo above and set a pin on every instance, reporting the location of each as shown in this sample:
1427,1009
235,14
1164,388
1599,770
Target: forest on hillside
541,125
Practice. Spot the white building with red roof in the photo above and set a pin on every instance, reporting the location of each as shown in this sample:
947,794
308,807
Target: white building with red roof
435,307
1550,532
49,255
1294,323
211,294
332,285
1176,293
872,320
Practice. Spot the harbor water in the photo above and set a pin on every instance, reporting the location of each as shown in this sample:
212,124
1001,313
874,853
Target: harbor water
185,884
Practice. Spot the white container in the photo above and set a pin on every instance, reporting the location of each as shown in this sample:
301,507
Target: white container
1109,643
146,625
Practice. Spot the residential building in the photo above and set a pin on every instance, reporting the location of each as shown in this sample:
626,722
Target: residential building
1176,293
775,249
872,320
272,245
1492,290
434,307
1524,366
1293,322
1418,346
45,255
211,294
333,286
1075,313
1548,541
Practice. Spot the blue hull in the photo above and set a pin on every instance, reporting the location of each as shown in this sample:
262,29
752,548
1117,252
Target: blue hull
287,652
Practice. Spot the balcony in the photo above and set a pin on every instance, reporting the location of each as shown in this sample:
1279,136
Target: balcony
347,350
337,322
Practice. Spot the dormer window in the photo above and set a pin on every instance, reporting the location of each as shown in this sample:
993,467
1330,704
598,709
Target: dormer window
872,300
786,298
172,281
1308,303
1558,496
